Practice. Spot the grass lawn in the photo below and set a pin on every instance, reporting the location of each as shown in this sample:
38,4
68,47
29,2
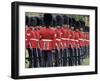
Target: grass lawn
86,61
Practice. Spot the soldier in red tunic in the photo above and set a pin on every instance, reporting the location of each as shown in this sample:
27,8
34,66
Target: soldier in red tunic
77,44
87,38
65,40
28,36
33,42
81,41
27,45
47,36
58,41
72,42
38,28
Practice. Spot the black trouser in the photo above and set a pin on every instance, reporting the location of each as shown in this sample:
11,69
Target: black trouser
87,51
47,58
72,53
36,57
58,57
76,56
81,55
65,57
41,58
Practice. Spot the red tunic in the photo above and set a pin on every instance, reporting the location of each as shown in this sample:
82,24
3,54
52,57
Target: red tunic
28,35
87,39
72,38
35,39
58,41
47,37
81,39
84,39
65,37
76,39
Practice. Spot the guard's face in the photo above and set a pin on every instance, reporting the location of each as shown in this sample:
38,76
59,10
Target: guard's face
81,29
77,29
33,28
65,26
58,26
72,28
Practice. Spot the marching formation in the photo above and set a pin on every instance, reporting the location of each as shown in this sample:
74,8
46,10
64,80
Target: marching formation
53,41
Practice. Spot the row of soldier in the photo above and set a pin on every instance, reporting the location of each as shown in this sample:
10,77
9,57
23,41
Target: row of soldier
56,41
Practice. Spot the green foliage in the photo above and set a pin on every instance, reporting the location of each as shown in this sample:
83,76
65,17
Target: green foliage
78,17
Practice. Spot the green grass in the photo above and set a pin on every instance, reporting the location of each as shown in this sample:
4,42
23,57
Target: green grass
86,61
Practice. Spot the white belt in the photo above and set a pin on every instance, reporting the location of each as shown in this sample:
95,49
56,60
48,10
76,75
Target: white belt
47,40
86,40
28,34
34,39
75,40
58,39
65,39
81,39
72,39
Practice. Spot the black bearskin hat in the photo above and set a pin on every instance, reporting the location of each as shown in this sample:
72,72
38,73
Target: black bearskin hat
78,25
33,21
41,21
73,22
66,19
38,21
82,24
59,20
47,19
27,20
54,22
69,21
